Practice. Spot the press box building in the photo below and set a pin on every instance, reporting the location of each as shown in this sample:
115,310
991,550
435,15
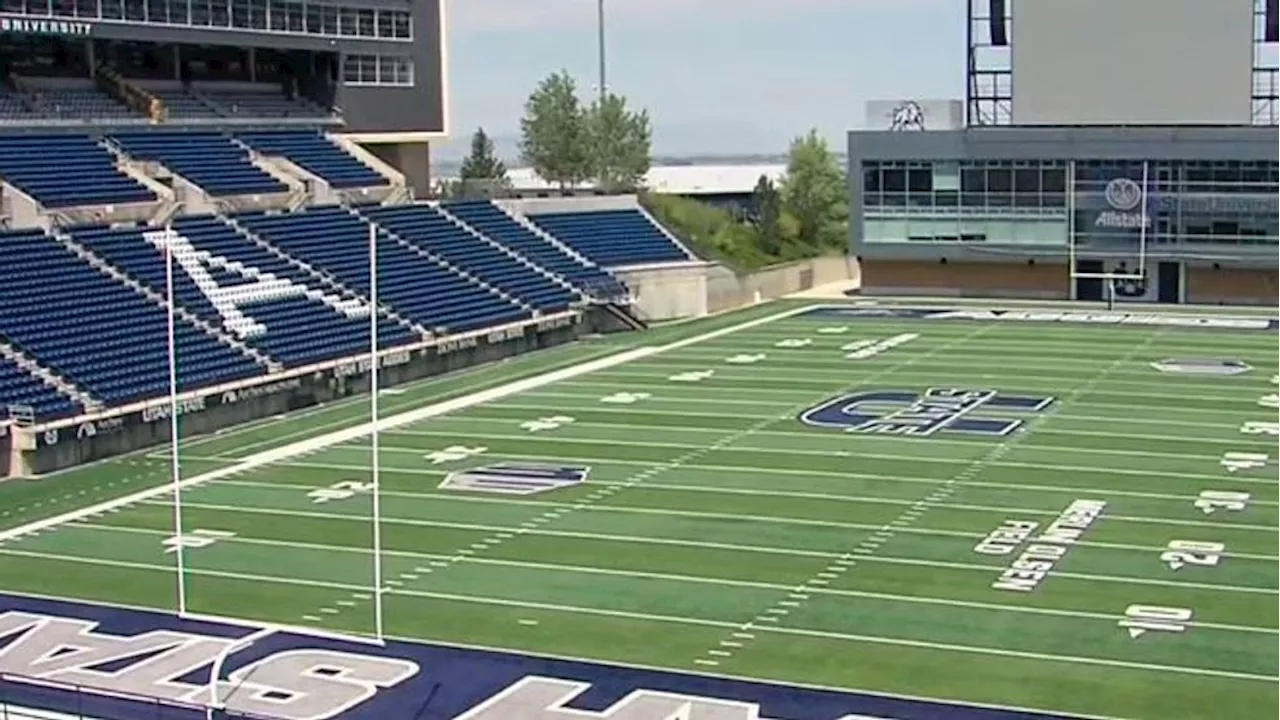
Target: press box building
1132,138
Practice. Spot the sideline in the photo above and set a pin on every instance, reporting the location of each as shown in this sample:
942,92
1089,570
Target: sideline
338,437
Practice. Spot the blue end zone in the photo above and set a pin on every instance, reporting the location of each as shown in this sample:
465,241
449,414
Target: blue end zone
130,655
1089,317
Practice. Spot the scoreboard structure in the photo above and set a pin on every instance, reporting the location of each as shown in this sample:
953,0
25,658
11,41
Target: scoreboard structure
1122,62
1109,147
381,64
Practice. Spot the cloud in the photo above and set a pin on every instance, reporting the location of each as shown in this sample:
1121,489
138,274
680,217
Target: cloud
472,16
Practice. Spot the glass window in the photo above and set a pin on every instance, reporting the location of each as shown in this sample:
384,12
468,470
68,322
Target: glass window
895,180
219,13
37,7
240,14
63,8
314,24
403,26
86,8
871,179
294,17
920,180
277,15
1026,180
112,10
135,10
999,180
200,14
1053,180
366,25
347,24
973,180
329,19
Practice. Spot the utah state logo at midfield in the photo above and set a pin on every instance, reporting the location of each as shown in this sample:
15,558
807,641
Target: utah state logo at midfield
922,414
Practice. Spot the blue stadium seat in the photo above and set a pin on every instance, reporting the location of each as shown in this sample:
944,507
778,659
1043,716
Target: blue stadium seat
300,327
19,387
267,103
96,332
497,224
211,160
66,171
612,238
426,228
316,154
336,241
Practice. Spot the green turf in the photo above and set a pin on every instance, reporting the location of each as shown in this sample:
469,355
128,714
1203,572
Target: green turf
719,534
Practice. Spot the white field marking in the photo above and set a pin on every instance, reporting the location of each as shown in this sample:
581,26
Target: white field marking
678,513
901,378
985,569
675,577
711,489
389,407
825,453
675,619
1106,470
603,462
811,435
1233,425
773,405
414,416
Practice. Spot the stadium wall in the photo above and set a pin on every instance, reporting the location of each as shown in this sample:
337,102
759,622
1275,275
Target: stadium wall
47,448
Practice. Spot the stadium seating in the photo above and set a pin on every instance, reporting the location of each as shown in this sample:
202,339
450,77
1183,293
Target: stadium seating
299,326
97,332
182,104
210,160
66,171
425,227
334,240
260,104
19,387
612,238
14,108
316,154
497,224
82,104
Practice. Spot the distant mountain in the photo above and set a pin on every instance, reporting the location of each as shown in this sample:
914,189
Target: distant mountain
668,140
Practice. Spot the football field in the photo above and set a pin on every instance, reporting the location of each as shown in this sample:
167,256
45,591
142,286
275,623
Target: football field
1024,514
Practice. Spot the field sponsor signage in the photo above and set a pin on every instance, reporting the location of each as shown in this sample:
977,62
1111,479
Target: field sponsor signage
121,663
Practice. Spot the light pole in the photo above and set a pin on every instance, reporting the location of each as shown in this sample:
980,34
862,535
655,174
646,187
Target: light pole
600,46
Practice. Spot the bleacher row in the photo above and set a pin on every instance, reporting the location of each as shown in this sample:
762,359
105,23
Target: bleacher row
65,170
258,291
88,103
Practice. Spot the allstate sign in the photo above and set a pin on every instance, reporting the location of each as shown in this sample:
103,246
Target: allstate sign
1127,212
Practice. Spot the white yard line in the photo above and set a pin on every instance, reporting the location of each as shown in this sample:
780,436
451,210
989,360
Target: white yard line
448,496
702,622
621,509
426,558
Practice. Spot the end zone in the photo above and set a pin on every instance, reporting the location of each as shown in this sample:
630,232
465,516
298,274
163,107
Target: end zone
126,658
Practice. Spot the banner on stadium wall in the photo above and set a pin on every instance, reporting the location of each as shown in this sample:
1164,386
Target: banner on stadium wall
1122,206
18,24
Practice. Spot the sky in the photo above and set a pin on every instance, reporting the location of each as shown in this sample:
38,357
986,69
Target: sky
717,76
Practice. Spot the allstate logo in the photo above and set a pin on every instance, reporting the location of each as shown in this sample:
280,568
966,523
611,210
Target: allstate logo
1123,194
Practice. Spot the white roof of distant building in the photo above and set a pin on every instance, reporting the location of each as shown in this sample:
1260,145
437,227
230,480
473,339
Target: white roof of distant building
678,179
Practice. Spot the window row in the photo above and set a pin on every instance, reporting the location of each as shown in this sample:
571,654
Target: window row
307,18
954,199
393,70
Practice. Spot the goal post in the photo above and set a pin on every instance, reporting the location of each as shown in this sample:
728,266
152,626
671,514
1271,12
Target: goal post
1121,208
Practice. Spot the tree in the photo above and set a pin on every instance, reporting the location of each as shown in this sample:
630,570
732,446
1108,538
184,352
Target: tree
620,141
766,213
483,162
554,139
815,193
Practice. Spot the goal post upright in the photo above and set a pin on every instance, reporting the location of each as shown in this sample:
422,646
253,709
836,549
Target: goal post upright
1108,276
174,454
374,430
